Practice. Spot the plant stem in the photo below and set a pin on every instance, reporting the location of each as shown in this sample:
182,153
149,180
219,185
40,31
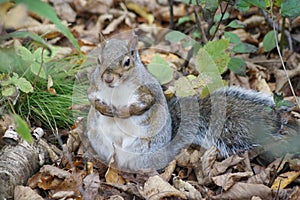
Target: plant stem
282,34
219,23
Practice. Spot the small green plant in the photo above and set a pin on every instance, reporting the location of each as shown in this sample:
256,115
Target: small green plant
34,83
39,86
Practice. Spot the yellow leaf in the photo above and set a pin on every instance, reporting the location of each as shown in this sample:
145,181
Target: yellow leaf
285,179
140,11
112,176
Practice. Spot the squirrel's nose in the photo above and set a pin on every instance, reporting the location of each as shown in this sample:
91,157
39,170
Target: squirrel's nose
109,79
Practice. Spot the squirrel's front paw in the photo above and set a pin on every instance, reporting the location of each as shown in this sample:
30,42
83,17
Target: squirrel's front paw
104,108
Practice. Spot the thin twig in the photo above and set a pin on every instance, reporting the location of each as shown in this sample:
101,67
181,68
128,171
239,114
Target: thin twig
219,23
199,26
171,3
187,60
281,59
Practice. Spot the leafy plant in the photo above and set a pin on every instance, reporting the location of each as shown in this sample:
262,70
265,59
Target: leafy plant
36,84
207,58
44,83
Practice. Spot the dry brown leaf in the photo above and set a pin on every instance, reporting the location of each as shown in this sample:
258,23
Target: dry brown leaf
112,176
208,160
227,180
116,197
51,178
295,194
245,191
13,16
188,158
262,178
221,167
164,14
156,188
63,195
262,85
169,170
256,198
26,193
91,185
295,164
285,179
91,6
113,25
49,86
237,80
254,21
74,140
65,11
186,188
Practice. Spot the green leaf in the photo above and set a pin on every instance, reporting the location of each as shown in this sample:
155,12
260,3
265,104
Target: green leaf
24,85
38,70
22,129
25,54
34,37
216,50
236,24
45,10
290,8
237,65
217,47
269,41
258,3
205,62
184,87
181,20
21,83
244,48
279,101
212,30
242,5
211,5
234,38
217,17
8,91
278,3
209,72
189,2
160,69
175,36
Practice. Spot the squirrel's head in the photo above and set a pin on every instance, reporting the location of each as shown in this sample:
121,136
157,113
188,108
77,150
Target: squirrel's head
117,60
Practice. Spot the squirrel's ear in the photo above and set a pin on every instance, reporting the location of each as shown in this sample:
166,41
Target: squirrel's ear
132,44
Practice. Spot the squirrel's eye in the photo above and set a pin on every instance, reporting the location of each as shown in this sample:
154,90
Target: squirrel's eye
126,62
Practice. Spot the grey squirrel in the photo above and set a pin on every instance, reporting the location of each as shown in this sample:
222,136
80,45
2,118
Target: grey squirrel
132,127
